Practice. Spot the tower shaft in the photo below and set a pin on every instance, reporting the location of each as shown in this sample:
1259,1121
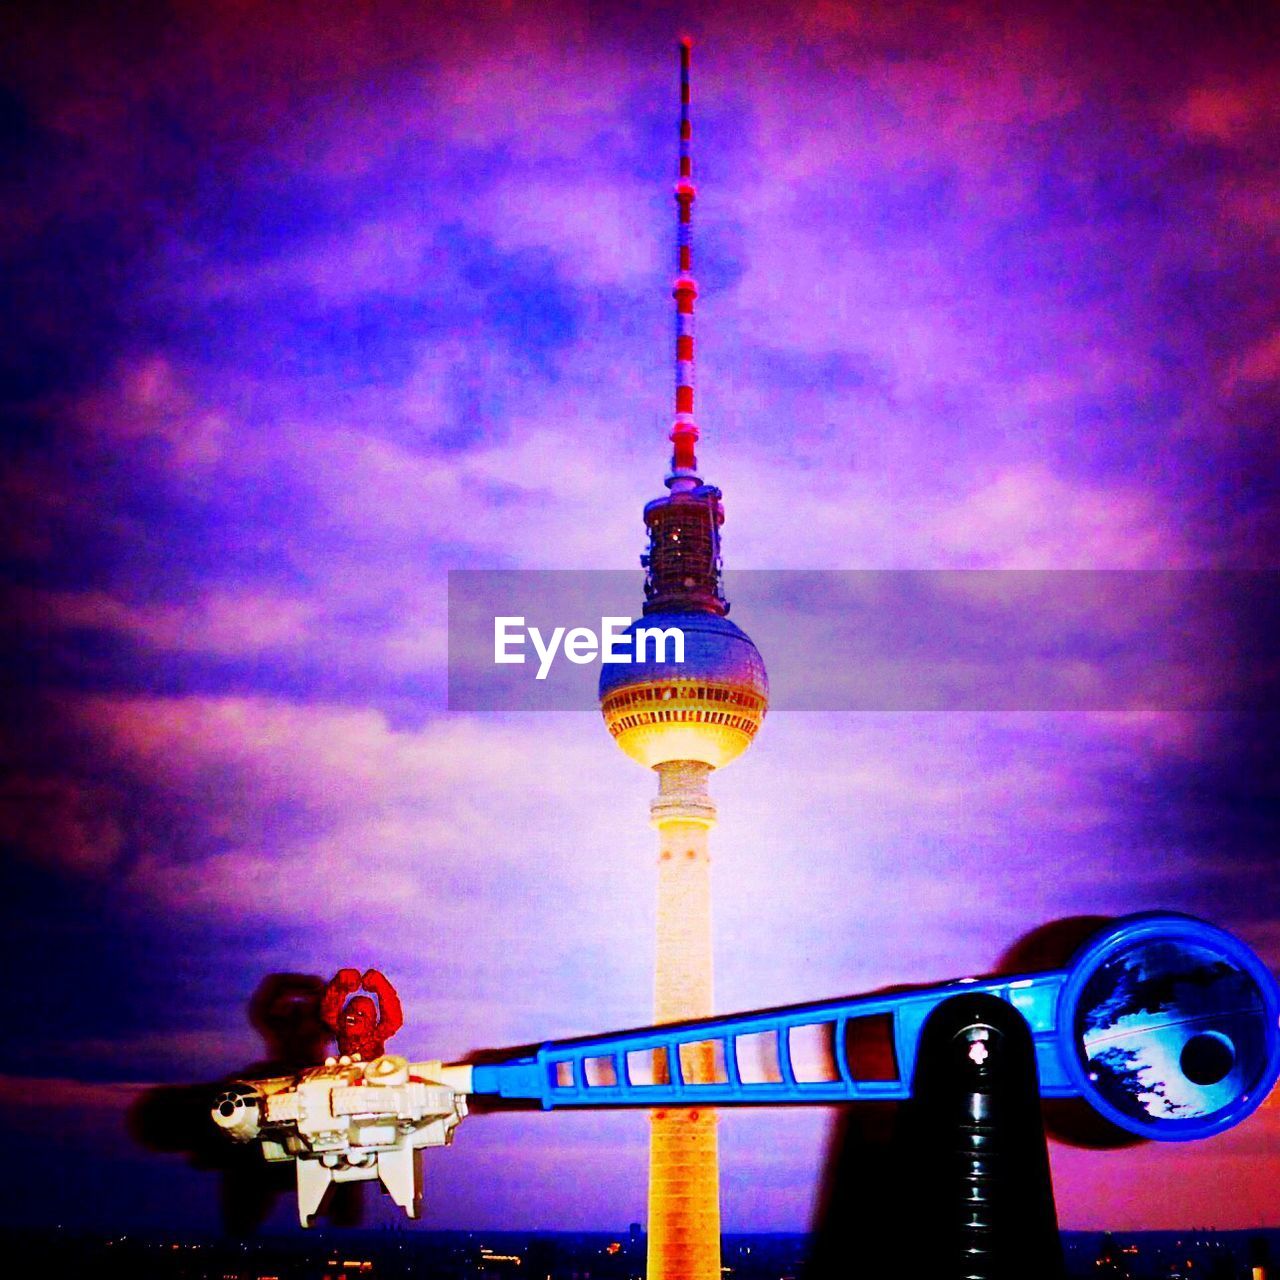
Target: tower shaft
684,1168
684,1196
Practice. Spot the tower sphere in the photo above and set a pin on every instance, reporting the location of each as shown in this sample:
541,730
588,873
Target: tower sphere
706,708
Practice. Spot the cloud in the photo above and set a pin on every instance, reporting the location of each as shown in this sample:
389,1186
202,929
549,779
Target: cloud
62,821
443,849
1030,518
1228,112
1009,517
149,406
594,229
1258,363
224,623
390,255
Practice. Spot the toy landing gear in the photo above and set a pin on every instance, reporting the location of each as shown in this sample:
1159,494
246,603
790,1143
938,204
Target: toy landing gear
955,1184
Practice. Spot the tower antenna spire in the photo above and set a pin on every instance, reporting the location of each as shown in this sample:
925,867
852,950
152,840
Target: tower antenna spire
684,433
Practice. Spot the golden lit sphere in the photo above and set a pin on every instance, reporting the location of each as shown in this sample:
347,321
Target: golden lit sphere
706,708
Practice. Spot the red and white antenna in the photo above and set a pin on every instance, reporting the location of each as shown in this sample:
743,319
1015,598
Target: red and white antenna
684,434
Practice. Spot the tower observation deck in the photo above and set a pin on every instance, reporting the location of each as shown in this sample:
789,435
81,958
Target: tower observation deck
683,720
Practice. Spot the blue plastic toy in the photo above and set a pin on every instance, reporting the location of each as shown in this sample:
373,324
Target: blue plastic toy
1165,1024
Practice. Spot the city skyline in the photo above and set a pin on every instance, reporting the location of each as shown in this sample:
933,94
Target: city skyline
304,314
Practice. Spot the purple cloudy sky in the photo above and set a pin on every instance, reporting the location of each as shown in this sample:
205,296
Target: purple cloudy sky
306,306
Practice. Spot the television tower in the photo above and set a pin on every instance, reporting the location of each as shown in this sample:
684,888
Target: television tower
683,720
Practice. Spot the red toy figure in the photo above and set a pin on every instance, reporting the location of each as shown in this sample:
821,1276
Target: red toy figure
361,1026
